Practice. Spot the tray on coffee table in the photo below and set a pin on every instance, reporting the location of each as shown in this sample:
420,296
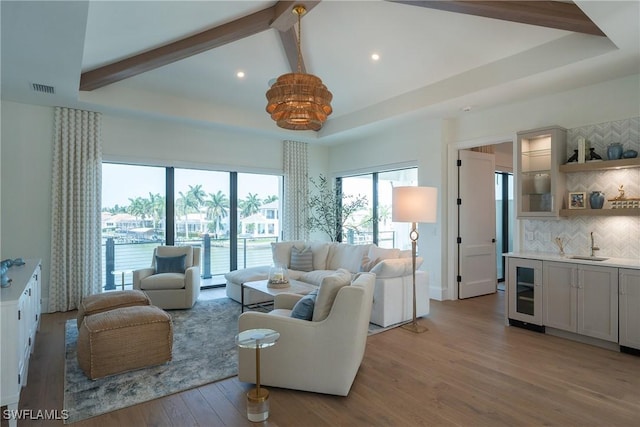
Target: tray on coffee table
295,287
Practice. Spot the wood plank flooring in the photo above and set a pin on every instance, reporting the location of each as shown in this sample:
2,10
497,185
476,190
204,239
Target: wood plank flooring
467,370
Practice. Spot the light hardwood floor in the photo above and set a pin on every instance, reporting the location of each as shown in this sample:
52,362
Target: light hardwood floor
467,370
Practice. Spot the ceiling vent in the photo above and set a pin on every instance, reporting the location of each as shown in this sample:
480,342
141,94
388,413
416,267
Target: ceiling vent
37,87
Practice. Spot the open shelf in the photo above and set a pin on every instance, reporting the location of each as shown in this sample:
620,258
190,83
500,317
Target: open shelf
601,165
600,212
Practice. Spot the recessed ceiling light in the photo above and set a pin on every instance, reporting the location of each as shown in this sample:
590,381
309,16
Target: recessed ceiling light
375,56
240,74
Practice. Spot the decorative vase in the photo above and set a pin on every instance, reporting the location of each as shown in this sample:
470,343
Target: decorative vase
541,183
614,151
278,276
596,199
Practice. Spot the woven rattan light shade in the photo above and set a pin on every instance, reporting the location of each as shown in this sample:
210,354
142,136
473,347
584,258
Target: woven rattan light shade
299,101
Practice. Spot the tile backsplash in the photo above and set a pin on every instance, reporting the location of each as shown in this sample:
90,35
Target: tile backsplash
617,236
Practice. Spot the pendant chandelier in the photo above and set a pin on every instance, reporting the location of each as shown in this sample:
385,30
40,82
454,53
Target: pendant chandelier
299,101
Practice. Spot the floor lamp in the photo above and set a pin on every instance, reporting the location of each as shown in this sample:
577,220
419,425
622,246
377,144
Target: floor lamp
414,205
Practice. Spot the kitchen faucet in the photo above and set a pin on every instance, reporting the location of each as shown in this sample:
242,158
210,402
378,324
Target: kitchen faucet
593,245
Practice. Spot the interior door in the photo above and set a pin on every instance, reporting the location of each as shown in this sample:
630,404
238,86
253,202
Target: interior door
477,271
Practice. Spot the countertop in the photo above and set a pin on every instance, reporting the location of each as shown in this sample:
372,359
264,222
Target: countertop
548,256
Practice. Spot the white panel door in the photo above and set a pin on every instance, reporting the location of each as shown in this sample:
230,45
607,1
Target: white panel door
477,269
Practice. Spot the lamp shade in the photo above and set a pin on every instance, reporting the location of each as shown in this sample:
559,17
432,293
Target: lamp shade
415,204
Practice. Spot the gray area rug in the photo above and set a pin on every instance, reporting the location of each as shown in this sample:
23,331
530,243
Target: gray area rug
204,351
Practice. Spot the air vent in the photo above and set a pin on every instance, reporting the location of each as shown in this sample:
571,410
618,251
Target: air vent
37,87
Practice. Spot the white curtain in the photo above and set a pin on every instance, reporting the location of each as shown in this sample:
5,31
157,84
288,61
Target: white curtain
75,215
296,191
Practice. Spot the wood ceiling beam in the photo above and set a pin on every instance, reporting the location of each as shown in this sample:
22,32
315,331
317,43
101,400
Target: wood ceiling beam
285,23
277,16
289,41
553,14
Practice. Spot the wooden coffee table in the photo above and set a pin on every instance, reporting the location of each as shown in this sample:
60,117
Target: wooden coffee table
295,287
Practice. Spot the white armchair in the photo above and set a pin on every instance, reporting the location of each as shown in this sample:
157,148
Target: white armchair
171,290
318,356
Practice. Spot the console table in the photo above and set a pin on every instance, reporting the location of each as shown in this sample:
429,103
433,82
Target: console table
19,319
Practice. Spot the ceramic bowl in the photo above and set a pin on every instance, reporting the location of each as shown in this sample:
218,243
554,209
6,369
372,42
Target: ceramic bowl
630,154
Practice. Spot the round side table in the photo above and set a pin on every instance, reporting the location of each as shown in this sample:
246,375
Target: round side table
258,397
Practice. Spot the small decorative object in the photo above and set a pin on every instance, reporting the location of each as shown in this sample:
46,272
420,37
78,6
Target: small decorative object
574,157
593,155
278,277
559,241
541,183
596,199
620,192
582,149
577,200
614,151
5,282
630,154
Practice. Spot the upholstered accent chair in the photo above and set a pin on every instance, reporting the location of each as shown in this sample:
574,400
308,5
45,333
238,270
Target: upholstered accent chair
173,280
321,356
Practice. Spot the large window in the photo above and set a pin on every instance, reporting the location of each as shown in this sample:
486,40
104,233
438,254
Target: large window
200,206
373,224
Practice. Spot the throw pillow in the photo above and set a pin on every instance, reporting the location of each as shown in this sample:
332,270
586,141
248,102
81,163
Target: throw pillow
301,259
368,264
378,253
327,293
281,251
304,307
170,264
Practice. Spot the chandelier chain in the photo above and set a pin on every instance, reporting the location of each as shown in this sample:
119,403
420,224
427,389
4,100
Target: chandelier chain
299,10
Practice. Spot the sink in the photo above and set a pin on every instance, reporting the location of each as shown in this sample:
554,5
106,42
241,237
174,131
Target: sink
587,258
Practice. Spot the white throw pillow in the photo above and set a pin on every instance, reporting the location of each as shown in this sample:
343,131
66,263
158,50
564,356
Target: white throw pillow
395,267
281,251
320,253
344,255
382,253
327,293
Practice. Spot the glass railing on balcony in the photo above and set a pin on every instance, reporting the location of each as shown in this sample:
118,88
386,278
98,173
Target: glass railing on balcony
120,259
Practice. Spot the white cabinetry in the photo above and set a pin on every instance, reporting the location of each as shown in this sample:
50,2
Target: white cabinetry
524,290
629,308
19,321
581,299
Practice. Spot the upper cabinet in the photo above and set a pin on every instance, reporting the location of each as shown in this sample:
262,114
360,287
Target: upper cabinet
540,185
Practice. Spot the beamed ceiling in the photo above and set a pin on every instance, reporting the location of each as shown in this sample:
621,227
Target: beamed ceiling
179,60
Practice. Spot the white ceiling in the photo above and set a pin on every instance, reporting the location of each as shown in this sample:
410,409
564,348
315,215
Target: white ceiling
433,63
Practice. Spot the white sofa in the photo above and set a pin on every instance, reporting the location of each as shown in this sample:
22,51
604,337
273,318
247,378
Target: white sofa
321,356
392,299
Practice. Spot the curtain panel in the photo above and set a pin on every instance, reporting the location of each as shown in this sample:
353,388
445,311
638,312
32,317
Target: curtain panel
296,191
76,191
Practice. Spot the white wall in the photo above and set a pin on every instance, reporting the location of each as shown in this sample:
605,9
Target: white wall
27,133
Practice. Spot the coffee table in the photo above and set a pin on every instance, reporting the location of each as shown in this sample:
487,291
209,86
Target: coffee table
295,287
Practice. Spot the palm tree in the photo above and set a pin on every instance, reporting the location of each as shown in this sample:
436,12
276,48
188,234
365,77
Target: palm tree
139,208
191,202
250,205
158,207
270,199
217,206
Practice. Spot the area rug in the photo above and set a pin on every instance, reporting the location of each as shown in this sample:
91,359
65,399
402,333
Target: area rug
204,351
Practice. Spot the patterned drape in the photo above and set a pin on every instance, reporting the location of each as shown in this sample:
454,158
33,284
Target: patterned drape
76,197
296,191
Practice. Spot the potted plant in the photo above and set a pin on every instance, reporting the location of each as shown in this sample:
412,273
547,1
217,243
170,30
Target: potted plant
330,212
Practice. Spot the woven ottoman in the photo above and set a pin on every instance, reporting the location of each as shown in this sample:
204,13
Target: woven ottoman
124,339
108,301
